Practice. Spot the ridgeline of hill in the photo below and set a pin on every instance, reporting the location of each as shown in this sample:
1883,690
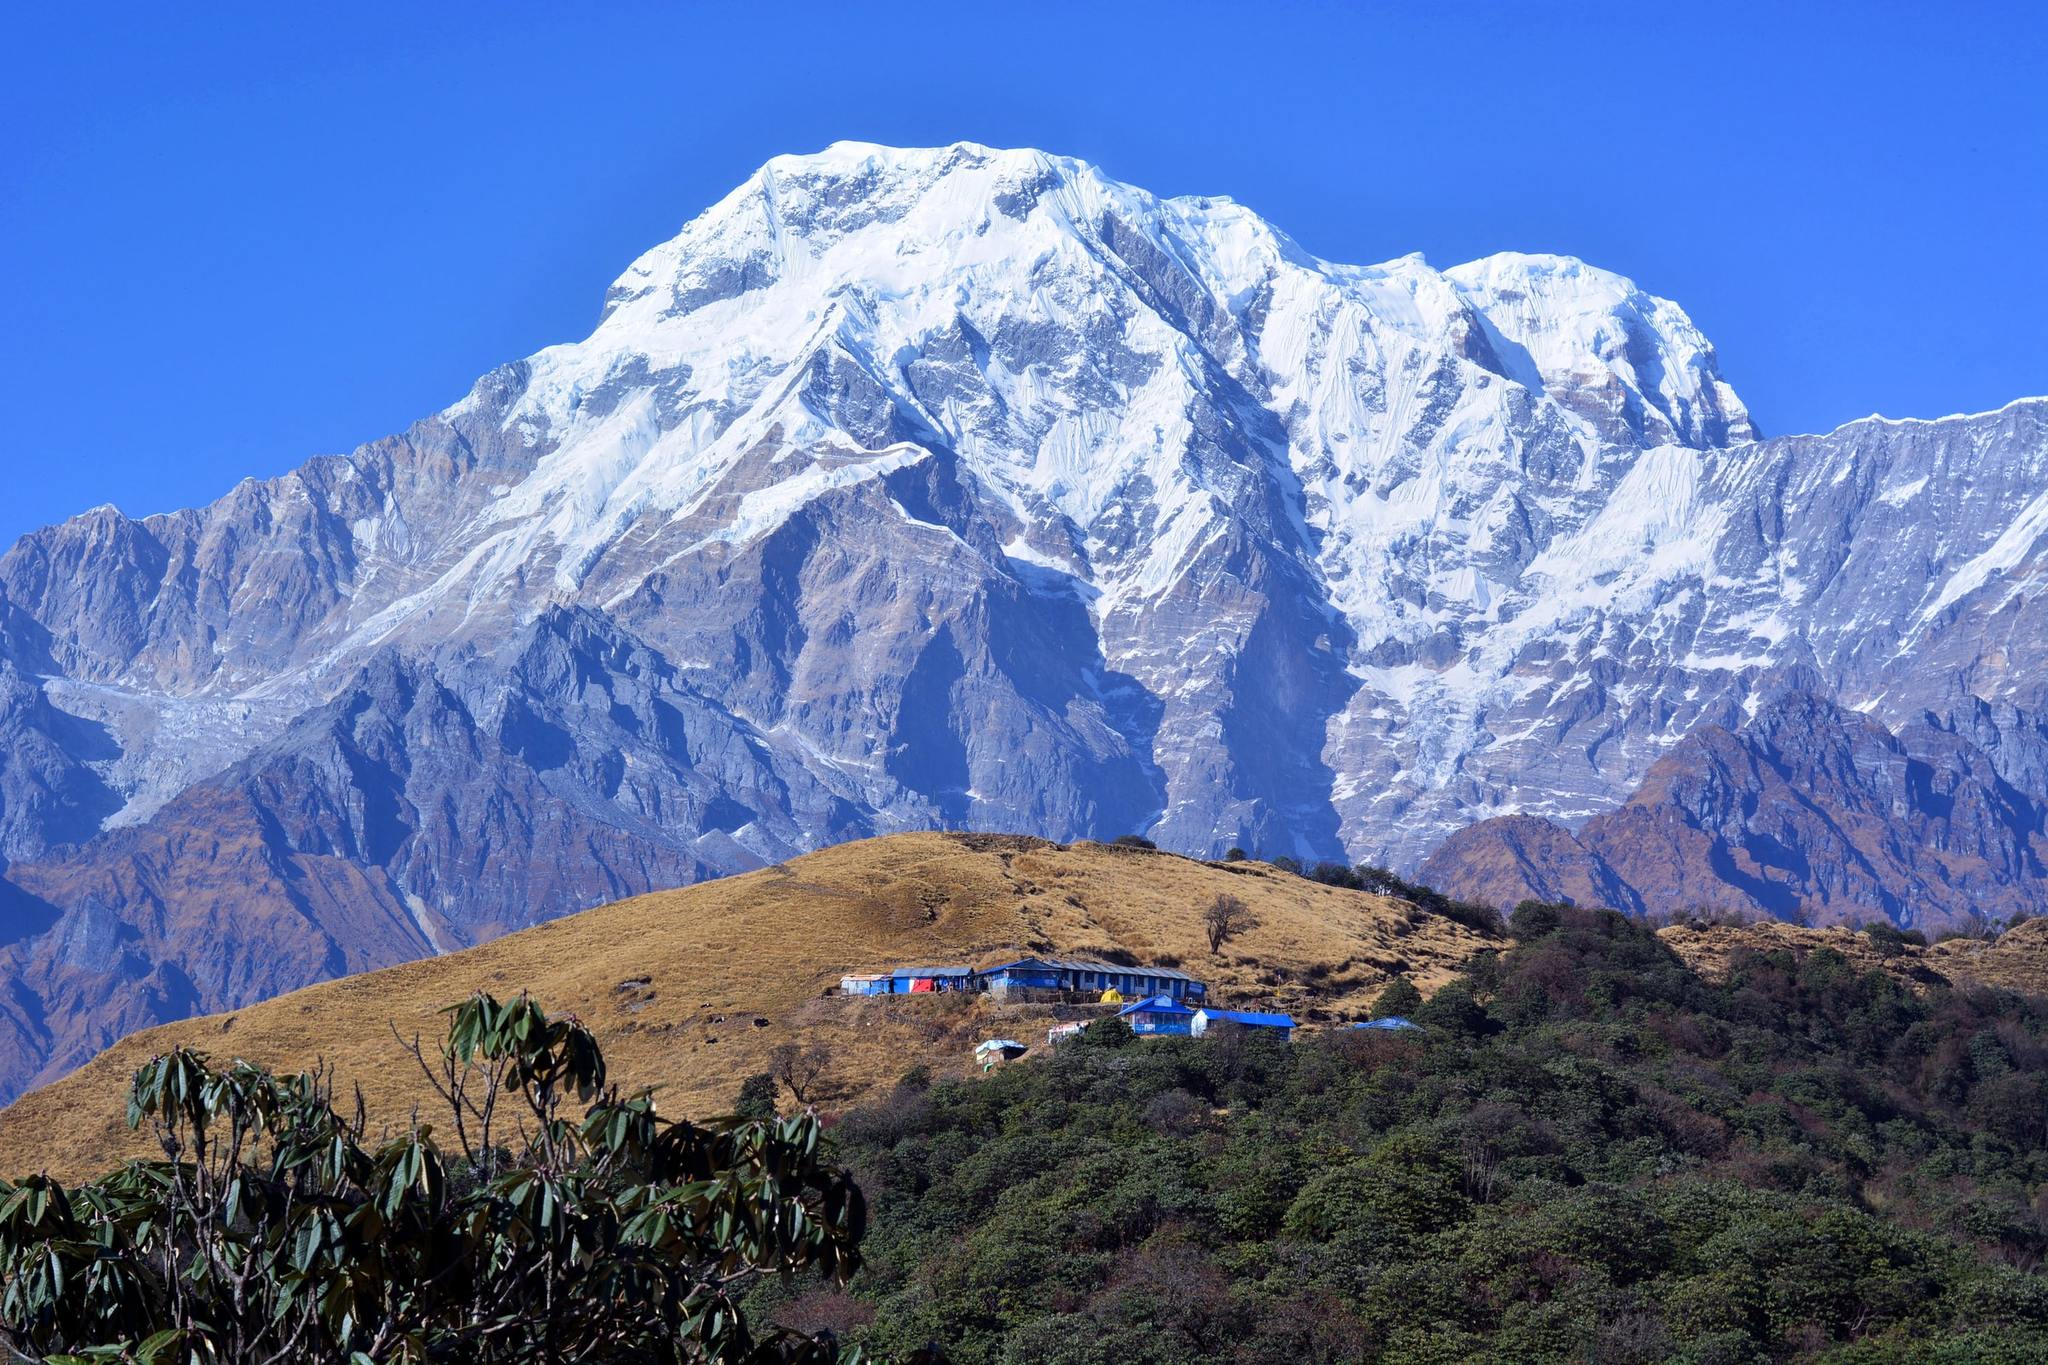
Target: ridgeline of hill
692,990
2016,960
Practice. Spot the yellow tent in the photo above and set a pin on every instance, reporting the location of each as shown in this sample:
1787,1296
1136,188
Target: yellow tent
1112,996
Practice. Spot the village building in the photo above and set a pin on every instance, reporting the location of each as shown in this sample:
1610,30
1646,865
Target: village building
1391,1023
1101,982
1207,1020
921,980
1060,1033
1084,977
1158,1016
908,981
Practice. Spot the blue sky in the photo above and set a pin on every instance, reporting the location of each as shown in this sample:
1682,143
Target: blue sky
234,242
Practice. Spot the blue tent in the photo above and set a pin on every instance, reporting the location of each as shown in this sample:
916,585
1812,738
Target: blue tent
1389,1023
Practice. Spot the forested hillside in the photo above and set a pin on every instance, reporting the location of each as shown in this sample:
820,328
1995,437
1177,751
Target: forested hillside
1592,1153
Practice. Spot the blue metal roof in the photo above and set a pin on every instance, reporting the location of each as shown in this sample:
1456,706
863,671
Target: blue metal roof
1389,1023
1253,1017
1075,964
1154,1004
932,971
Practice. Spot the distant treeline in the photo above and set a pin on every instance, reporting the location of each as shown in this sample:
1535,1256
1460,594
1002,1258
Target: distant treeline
1380,881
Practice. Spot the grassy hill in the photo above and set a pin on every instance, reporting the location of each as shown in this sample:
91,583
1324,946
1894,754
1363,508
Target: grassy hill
2016,960
692,989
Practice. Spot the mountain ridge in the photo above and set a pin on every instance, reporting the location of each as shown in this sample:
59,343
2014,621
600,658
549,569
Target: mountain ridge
964,487
1807,813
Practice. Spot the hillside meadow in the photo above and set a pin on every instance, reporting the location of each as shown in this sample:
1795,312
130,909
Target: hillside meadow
692,990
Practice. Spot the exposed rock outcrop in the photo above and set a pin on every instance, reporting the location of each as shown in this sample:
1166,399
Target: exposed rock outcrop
1809,812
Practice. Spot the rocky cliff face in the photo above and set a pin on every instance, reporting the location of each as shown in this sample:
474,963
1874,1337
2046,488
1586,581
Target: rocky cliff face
968,487
1809,812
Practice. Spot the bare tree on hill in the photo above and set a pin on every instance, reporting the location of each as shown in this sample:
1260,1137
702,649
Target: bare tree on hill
803,1068
1226,917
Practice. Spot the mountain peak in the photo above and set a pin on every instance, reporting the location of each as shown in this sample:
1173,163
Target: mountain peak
1582,326
854,157
968,487
919,240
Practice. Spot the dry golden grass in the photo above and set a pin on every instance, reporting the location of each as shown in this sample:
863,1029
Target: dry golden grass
2017,960
690,990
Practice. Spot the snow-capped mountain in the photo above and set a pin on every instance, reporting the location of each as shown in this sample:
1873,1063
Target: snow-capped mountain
968,487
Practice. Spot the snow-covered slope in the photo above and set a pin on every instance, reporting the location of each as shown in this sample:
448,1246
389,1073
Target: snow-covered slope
966,486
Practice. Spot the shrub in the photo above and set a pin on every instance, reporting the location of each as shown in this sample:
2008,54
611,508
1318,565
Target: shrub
271,1231
1533,919
756,1099
1889,940
1335,874
1399,1000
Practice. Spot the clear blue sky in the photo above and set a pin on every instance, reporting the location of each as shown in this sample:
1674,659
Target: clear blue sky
235,241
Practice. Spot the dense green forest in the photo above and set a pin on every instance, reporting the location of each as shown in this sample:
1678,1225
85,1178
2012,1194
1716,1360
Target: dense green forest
1592,1154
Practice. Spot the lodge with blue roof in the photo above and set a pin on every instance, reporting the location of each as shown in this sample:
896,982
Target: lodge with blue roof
1158,1015
1083,976
1071,976
1155,1001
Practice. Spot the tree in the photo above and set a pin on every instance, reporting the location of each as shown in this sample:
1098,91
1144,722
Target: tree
1336,874
1110,1032
1532,919
1452,1008
1399,1000
1234,854
1226,917
270,1232
756,1099
1889,940
801,1067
